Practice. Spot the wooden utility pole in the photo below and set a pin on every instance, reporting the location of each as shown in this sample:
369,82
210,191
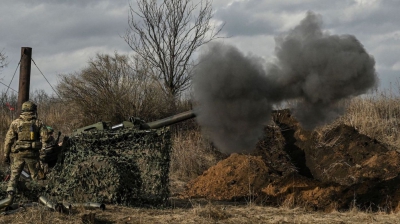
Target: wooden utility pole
24,77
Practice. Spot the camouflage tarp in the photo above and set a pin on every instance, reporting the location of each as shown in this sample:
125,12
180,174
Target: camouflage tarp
128,167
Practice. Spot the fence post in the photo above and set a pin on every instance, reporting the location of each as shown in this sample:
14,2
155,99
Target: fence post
24,77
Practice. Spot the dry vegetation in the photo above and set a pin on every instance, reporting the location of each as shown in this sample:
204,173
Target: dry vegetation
375,115
209,213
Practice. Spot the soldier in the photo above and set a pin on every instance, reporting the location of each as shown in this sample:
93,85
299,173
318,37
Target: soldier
26,136
50,142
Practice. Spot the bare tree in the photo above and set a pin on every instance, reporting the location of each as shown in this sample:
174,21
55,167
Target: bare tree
111,88
3,60
167,33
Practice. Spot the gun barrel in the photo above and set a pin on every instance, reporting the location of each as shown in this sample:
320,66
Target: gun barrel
169,120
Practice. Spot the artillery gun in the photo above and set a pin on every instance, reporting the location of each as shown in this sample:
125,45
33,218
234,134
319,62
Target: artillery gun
50,154
137,123
127,163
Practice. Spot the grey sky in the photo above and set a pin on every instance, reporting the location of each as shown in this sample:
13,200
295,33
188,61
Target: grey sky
65,34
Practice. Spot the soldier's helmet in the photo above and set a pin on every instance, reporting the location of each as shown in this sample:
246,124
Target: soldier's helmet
28,106
50,129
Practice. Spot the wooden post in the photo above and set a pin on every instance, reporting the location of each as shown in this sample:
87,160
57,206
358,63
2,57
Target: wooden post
24,77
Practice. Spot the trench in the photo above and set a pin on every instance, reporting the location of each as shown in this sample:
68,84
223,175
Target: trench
296,154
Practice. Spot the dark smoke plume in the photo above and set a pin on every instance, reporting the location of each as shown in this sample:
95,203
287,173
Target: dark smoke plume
235,92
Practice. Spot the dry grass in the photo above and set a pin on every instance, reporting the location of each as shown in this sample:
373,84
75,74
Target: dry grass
192,154
377,116
198,213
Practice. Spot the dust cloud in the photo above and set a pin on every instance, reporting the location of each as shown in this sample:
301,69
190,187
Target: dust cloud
235,92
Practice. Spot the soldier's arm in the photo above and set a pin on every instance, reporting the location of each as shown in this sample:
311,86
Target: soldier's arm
10,139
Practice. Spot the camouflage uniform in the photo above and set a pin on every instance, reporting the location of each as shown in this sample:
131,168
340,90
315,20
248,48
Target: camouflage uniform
25,137
50,137
51,141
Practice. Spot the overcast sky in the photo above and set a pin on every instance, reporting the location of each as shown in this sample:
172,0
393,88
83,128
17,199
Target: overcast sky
65,34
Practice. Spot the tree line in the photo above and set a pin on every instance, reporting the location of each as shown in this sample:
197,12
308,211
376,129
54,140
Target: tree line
150,84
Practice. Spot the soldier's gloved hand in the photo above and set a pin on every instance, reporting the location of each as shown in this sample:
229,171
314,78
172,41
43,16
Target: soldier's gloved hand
6,159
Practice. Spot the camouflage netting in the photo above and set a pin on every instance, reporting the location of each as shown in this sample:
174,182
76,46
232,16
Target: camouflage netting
128,167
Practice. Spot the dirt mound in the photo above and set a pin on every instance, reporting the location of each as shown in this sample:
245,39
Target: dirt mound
341,155
296,190
243,176
236,177
334,169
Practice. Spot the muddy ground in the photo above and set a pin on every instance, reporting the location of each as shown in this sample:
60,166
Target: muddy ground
334,170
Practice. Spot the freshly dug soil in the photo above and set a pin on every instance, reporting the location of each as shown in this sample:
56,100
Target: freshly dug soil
241,174
334,170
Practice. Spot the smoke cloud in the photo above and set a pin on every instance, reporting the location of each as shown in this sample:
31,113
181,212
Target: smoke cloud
235,92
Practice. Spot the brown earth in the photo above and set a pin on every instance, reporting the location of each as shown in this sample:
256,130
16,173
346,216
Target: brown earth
332,170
